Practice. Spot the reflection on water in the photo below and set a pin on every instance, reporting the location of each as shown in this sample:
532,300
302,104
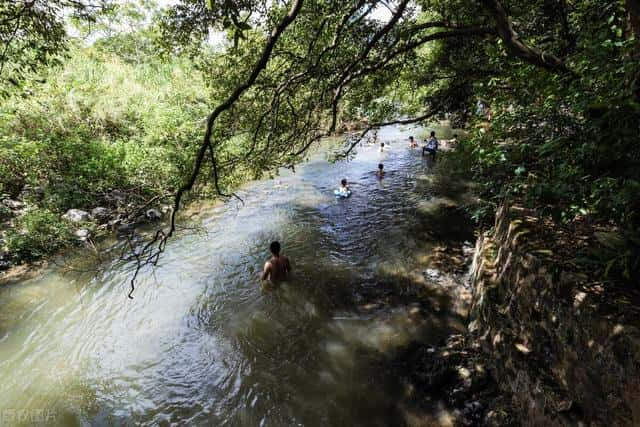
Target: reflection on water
203,343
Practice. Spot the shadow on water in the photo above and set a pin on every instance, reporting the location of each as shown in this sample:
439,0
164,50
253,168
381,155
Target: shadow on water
204,344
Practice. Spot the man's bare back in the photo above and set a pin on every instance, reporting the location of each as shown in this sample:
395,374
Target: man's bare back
276,269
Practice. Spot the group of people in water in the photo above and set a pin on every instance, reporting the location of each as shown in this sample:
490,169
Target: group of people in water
278,266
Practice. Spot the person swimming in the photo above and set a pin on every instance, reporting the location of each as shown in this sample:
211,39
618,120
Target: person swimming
343,191
412,142
382,147
278,267
380,172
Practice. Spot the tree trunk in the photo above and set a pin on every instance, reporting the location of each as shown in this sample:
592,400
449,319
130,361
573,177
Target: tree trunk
633,21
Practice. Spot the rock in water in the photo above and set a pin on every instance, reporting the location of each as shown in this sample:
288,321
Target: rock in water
76,215
153,214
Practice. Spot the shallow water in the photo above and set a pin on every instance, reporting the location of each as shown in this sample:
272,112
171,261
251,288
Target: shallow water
203,343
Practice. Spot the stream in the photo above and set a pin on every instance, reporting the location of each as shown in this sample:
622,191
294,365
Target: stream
204,343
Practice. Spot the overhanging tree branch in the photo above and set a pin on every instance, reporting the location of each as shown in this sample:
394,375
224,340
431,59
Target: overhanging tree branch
147,255
516,46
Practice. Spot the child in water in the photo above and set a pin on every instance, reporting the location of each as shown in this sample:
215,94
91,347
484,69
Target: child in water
344,188
382,147
380,171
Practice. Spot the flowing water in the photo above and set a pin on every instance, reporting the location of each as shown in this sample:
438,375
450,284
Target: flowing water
203,343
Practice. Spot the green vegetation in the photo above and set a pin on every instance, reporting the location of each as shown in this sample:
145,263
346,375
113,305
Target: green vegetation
100,123
38,233
97,123
558,84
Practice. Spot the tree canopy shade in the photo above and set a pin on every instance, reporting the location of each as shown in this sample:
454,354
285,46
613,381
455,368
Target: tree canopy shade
560,78
328,62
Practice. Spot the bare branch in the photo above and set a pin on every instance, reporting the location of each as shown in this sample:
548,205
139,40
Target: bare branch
146,255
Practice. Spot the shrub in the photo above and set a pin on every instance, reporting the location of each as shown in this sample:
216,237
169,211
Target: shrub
38,233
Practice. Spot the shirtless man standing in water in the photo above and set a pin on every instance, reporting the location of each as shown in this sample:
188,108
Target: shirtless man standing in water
278,267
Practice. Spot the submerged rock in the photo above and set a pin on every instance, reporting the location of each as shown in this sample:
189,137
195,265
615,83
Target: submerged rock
432,273
76,215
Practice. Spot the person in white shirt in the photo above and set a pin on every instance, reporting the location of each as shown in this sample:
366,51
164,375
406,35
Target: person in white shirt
432,146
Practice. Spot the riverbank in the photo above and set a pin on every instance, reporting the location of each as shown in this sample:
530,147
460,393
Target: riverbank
547,344
30,235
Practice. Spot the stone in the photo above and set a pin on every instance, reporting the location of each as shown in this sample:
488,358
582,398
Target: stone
82,234
472,409
463,372
468,249
76,215
13,204
153,214
100,214
5,265
432,273
165,208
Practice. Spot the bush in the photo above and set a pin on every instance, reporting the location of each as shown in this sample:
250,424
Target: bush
99,123
38,233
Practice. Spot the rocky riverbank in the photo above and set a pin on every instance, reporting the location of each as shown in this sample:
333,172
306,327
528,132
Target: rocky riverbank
565,348
545,346
28,232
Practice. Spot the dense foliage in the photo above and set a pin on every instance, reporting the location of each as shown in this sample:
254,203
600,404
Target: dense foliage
98,123
548,89
566,144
